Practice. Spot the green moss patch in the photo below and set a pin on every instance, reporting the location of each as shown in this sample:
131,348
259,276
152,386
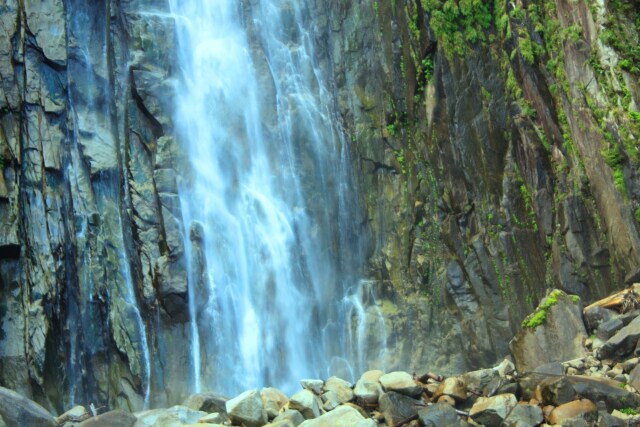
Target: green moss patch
539,316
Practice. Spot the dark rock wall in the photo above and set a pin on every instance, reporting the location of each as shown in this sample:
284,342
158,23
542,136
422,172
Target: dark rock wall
490,171
88,204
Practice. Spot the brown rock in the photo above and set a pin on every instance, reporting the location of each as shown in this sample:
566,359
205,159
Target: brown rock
447,399
454,387
577,409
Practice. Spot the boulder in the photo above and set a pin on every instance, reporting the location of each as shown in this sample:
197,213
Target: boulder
247,409
400,382
273,401
282,423
608,420
524,414
556,324
481,380
609,328
438,415
506,367
622,342
207,402
165,417
290,415
312,385
213,418
76,414
397,407
341,388
491,411
17,410
117,418
578,409
330,401
560,390
368,387
342,416
594,316
307,403
634,377
454,387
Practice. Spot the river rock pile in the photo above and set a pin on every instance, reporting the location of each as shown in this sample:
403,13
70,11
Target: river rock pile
558,375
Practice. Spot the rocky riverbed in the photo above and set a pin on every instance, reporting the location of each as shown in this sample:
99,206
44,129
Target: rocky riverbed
568,366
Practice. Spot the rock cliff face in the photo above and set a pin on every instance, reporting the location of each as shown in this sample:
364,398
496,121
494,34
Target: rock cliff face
496,149
497,146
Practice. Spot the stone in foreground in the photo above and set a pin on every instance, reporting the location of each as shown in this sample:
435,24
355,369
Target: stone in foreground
454,387
556,324
524,414
17,410
623,342
247,409
312,385
342,416
578,409
290,415
117,418
273,401
491,411
397,407
76,414
307,403
438,415
560,390
368,387
400,382
176,415
341,388
207,402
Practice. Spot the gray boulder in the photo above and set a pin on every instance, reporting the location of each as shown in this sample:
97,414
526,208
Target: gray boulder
247,409
207,402
438,415
117,418
273,401
290,415
561,390
342,416
622,342
397,407
166,417
522,415
341,388
556,324
307,403
17,410
400,382
491,411
368,387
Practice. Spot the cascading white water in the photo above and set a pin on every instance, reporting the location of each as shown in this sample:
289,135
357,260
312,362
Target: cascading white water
267,192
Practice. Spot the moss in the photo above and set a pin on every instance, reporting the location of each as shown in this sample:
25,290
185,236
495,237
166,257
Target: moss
575,299
540,315
629,411
456,23
535,320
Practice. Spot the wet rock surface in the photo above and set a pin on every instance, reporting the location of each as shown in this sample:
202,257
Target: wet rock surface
483,182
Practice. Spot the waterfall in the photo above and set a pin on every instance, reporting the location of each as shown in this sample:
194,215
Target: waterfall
266,200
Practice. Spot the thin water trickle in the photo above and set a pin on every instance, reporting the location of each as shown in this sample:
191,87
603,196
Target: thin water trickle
268,185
